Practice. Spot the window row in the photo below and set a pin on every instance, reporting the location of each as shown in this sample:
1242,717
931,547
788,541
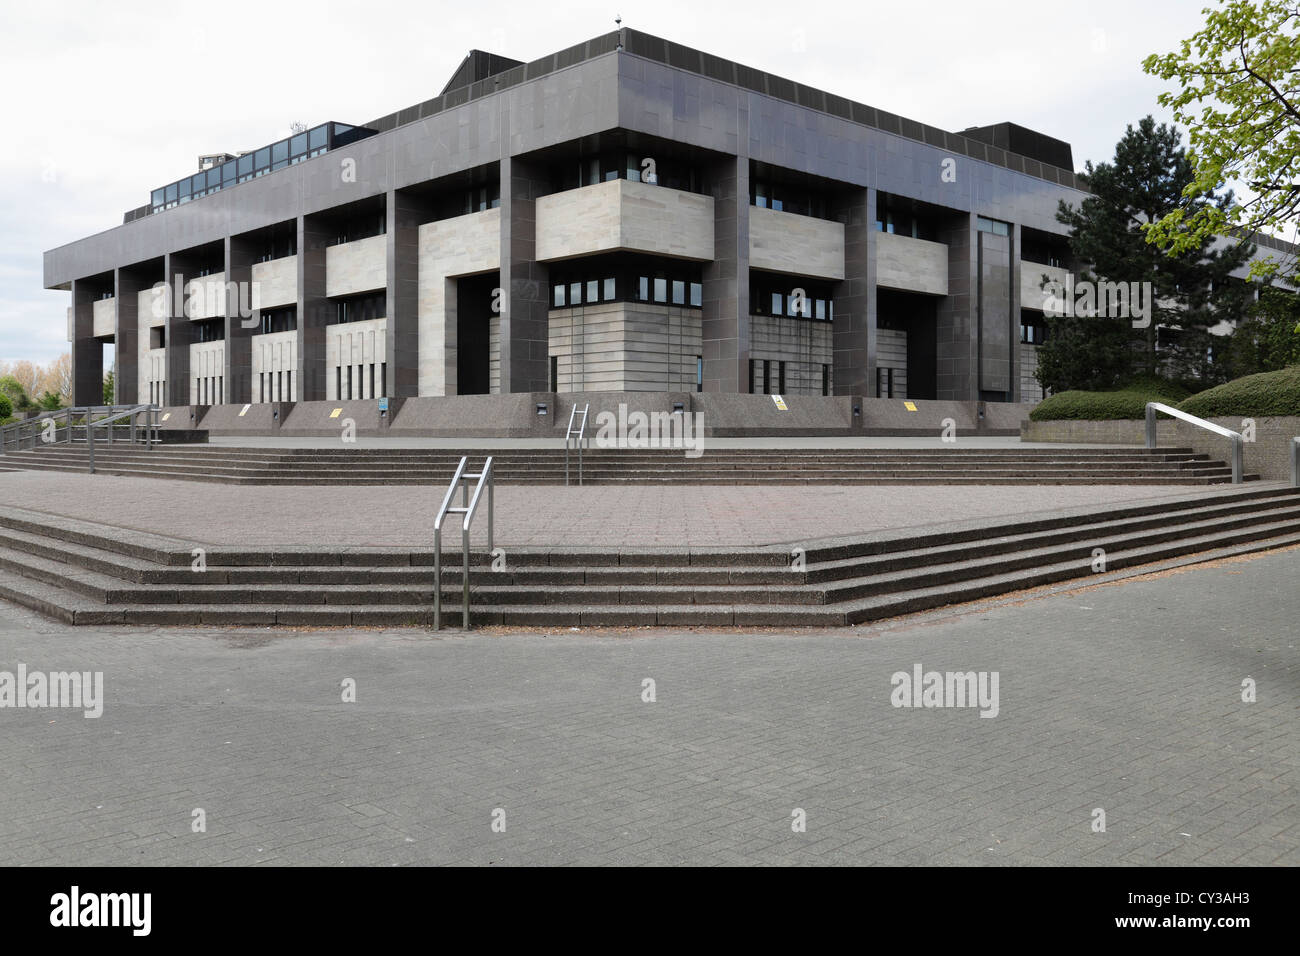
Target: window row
274,387
258,162
277,320
901,222
784,197
208,390
767,377
790,297
360,308
633,166
679,285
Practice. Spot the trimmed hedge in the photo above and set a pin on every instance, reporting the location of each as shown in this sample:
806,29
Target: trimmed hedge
1127,404
1265,394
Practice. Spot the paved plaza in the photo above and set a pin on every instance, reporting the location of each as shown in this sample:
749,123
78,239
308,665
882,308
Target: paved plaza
546,516
1125,698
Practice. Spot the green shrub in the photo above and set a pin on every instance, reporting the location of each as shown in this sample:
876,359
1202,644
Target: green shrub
6,406
1126,403
1264,394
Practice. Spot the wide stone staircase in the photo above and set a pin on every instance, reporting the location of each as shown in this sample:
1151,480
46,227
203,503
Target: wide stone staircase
89,573
953,465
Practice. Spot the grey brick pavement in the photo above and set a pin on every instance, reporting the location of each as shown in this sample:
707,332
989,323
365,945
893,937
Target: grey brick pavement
1124,697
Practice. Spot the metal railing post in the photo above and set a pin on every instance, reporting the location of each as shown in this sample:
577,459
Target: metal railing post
1238,459
1236,438
1295,462
437,577
90,443
1151,426
464,572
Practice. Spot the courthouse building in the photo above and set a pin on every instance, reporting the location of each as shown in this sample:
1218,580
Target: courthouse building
627,214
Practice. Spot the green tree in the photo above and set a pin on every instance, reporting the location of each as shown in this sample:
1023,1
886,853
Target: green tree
14,391
108,387
1188,293
1267,341
1237,94
6,407
51,402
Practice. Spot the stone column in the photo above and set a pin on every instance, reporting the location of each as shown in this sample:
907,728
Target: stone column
313,309
127,286
237,368
854,328
524,338
87,351
724,324
177,272
405,214
956,318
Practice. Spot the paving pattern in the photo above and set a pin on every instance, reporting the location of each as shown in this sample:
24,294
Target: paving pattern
632,516
1123,697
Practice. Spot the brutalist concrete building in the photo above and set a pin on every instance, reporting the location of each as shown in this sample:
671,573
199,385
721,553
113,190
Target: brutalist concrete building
626,215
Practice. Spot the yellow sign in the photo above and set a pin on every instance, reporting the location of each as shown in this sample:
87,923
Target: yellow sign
780,403
909,406
335,413
244,411
166,416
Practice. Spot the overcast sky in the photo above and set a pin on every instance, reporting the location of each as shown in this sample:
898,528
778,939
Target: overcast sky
104,101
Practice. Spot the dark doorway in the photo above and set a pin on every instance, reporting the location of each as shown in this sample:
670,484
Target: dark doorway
474,299
914,314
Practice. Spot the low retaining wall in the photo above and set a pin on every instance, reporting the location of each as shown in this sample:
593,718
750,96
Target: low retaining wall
1268,456
517,415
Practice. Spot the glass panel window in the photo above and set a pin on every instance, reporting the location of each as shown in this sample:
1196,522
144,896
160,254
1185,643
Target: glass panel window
262,158
575,293
279,151
777,305
697,294
609,290
558,296
820,309
171,192
661,289
318,137
643,288
228,174
156,197
214,177
679,292
593,290
245,164
298,145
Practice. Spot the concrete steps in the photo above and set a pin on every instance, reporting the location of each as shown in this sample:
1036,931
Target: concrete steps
85,573
377,466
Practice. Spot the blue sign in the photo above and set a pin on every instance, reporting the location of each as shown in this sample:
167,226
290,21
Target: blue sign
383,404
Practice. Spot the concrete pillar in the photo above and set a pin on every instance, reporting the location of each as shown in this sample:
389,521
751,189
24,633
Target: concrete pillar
405,214
1015,395
313,309
241,321
87,352
993,310
177,271
956,320
725,320
853,333
524,338
127,286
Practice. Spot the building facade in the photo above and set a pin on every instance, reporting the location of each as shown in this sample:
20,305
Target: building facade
625,215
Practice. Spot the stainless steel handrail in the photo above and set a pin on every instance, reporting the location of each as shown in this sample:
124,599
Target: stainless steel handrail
579,437
1237,439
460,480
109,413
1295,462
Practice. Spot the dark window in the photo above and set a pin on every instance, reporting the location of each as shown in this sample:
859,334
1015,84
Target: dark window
383,379
780,378
826,379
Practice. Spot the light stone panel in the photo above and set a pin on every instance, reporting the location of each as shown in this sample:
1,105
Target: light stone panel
913,265
358,346
621,215
618,346
804,345
352,267
104,317
782,241
272,354
207,361
275,283
450,249
1032,295
153,371
205,297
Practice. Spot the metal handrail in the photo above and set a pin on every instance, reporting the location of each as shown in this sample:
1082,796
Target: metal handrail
109,415
470,507
579,437
1237,439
